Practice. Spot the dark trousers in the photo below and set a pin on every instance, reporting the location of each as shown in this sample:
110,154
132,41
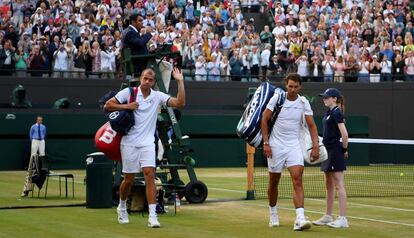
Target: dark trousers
386,77
254,70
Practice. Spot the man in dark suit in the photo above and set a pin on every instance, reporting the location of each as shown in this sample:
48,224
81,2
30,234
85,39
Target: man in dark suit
137,42
6,58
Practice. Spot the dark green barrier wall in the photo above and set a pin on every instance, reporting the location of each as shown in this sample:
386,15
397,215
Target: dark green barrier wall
210,116
69,138
213,138
58,124
63,153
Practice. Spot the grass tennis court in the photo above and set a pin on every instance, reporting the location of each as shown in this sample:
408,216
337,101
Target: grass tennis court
225,214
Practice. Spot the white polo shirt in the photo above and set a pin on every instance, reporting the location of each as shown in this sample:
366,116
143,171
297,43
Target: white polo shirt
142,133
285,132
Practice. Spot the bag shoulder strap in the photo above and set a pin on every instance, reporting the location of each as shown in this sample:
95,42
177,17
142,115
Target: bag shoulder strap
134,94
278,107
303,100
281,100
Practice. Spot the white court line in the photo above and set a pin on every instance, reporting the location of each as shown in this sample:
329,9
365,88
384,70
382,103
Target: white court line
322,213
227,190
381,141
322,200
367,205
313,199
353,217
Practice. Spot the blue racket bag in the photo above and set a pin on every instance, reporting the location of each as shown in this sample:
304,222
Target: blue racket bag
248,127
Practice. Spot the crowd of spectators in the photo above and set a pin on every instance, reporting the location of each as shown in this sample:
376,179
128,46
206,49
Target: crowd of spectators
322,40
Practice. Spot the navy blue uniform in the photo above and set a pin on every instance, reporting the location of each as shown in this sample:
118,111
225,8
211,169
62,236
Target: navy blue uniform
138,44
331,137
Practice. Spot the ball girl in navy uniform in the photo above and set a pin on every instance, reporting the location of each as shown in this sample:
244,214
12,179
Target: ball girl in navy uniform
333,130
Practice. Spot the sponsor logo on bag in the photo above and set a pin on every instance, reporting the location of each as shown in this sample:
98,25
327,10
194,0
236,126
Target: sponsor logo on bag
113,115
108,136
252,106
172,116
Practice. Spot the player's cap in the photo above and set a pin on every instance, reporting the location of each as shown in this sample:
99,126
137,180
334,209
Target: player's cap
331,92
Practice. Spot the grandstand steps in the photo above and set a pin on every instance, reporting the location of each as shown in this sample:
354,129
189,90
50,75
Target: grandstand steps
260,19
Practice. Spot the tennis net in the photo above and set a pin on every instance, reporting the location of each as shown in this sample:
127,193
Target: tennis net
384,168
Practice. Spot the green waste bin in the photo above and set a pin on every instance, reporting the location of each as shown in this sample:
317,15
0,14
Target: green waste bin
98,181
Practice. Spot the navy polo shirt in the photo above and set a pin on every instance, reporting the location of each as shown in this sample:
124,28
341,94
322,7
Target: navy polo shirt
331,133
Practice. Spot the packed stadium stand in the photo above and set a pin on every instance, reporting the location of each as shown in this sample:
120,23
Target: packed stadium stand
219,40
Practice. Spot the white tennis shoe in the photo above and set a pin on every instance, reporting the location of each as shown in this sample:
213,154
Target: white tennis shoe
340,222
122,216
274,220
324,220
153,222
301,224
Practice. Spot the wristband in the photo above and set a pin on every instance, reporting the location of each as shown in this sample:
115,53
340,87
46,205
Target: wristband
265,142
344,150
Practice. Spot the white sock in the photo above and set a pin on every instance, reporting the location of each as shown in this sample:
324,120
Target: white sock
122,204
273,210
151,209
300,213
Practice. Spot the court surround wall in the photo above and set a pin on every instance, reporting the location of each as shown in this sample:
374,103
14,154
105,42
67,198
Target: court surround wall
380,110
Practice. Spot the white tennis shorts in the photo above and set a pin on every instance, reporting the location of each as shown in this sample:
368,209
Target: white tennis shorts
284,160
136,158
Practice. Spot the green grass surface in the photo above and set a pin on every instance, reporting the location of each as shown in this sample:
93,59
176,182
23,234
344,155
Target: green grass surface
225,214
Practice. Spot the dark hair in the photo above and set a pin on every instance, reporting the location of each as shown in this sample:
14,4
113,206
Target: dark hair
294,77
103,46
134,17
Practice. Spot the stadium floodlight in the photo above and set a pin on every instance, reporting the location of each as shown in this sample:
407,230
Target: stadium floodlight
62,103
19,98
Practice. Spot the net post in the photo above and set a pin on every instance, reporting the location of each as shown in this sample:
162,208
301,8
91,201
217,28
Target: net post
250,150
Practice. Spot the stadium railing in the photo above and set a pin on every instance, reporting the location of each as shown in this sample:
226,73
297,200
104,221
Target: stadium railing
189,74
